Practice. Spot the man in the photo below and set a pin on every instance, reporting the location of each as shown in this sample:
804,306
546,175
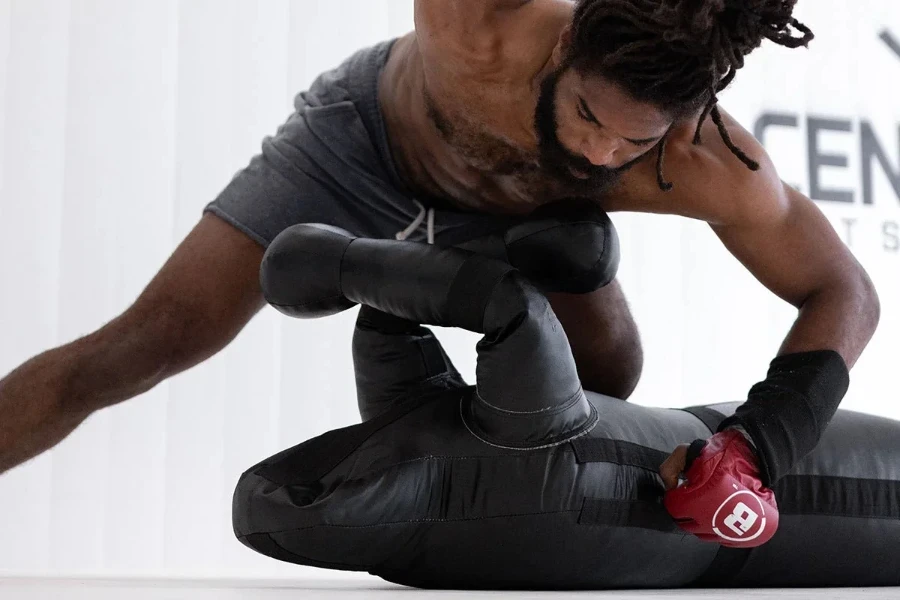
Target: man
490,108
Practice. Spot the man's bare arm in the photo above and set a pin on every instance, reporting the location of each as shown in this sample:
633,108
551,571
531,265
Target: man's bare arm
786,242
792,249
197,303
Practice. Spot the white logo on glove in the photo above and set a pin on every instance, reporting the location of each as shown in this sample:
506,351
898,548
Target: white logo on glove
741,519
738,519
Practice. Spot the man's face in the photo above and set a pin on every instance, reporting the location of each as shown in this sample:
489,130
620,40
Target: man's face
590,131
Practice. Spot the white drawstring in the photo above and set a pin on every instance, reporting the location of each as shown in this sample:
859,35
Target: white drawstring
422,216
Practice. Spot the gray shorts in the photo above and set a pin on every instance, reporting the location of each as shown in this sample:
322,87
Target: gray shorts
330,163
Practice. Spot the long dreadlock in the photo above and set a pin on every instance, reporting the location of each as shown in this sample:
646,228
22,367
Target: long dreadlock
679,54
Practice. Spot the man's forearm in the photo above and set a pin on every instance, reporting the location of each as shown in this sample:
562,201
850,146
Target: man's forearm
786,414
604,339
46,398
842,318
35,409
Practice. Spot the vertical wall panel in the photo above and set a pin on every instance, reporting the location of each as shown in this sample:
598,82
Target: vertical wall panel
31,201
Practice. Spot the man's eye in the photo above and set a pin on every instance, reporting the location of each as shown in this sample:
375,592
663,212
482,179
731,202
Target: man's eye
583,115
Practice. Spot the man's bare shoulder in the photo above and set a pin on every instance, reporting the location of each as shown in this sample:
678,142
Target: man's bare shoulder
750,195
709,182
490,38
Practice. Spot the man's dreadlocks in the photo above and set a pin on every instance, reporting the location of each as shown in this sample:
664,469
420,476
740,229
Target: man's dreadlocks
678,54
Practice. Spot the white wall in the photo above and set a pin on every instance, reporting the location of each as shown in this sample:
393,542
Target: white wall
120,120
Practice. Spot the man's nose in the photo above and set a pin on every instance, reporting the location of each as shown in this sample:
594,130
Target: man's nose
599,150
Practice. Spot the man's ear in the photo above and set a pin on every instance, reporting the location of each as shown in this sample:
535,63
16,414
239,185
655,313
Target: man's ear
561,51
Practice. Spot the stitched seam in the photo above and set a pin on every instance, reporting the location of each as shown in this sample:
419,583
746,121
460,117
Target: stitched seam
307,559
341,269
586,429
491,293
464,458
391,523
569,403
392,466
525,237
301,304
830,513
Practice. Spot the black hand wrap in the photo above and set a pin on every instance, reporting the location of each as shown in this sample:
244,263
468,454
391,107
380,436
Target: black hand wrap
786,414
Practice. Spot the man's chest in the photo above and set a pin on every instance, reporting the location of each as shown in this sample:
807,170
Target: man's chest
490,138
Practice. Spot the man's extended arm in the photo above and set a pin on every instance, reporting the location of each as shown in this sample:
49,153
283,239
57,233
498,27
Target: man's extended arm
198,302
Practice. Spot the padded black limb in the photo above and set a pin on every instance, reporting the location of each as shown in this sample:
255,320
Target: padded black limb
568,247
527,395
395,361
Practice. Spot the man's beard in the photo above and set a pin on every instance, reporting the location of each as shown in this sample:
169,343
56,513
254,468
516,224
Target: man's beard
557,160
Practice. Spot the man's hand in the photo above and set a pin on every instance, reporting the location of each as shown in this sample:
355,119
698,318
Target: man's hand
723,499
672,469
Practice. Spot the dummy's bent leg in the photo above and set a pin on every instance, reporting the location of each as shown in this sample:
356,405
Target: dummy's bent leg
528,392
570,251
395,360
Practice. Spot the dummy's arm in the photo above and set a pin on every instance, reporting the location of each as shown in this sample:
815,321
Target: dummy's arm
528,391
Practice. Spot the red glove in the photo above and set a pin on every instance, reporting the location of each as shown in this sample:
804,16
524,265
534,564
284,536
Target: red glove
723,499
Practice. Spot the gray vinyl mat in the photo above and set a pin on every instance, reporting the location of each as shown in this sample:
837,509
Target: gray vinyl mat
99,589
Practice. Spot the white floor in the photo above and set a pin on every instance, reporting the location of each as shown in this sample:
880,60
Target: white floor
99,589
